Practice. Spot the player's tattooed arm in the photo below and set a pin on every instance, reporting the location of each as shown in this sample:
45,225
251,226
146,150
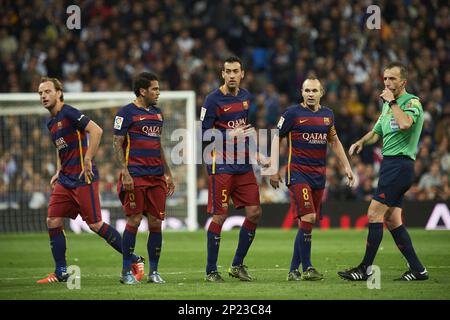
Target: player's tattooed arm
119,155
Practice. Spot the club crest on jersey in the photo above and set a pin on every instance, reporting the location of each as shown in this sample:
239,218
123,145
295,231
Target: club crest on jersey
159,117
326,120
59,124
245,105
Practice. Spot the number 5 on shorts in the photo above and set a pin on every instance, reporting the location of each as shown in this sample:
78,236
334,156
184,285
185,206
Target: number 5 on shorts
224,196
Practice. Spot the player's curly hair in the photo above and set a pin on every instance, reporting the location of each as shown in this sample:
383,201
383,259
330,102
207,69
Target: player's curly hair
142,81
58,85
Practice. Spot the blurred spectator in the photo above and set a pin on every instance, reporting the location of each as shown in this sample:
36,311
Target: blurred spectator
431,181
72,83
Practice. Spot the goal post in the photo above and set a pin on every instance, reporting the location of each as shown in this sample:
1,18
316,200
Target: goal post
27,154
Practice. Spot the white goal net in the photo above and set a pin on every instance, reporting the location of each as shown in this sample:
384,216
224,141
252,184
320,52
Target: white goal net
27,156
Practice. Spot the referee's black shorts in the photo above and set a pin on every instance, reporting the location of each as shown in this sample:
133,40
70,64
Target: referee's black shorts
396,177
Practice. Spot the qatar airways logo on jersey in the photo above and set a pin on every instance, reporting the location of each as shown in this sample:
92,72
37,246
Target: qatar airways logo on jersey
60,143
152,131
315,138
236,123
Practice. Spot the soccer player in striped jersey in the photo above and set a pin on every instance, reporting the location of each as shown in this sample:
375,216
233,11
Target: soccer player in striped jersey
75,184
145,178
226,109
309,128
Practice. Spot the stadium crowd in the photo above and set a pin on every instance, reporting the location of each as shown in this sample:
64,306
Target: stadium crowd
281,43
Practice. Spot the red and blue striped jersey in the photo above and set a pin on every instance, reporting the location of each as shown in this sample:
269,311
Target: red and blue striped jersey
308,133
71,141
225,112
142,145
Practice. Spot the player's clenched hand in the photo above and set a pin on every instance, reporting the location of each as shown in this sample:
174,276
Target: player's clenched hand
127,181
356,147
54,179
170,185
275,180
87,171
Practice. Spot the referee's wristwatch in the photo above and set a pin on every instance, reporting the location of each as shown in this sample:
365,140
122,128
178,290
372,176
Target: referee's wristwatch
392,102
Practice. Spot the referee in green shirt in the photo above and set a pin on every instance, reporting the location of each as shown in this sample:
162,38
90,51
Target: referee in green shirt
399,125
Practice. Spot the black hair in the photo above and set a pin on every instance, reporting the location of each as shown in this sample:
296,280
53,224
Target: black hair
232,59
142,81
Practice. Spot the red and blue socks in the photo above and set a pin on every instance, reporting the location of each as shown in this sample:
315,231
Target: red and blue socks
373,242
154,243
213,244
404,243
305,234
246,236
58,246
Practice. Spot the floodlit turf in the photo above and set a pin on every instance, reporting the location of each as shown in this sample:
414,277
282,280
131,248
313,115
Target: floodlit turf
26,258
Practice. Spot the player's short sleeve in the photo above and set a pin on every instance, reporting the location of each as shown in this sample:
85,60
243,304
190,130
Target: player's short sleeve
285,123
208,114
122,121
413,109
377,128
79,120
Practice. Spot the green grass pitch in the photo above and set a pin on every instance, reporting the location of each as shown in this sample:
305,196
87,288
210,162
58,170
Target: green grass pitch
27,257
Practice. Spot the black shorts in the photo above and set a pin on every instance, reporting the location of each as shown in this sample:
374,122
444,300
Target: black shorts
396,177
